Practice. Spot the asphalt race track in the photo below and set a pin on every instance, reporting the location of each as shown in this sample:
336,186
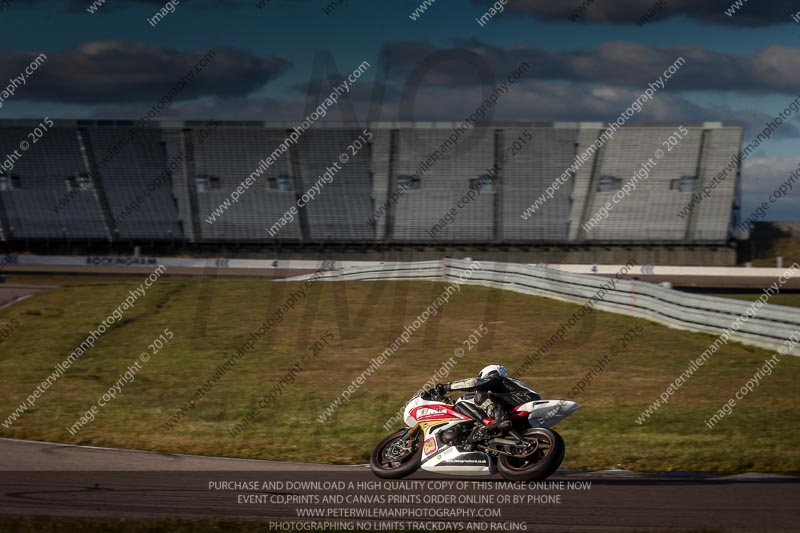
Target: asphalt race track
54,479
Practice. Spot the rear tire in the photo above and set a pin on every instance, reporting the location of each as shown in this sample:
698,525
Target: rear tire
542,464
381,461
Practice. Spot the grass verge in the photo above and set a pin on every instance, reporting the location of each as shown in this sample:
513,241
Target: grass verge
211,319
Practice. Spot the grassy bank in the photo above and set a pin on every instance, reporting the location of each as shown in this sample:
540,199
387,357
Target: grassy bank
210,320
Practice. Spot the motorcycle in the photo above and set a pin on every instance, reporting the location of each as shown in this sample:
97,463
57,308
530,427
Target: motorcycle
450,437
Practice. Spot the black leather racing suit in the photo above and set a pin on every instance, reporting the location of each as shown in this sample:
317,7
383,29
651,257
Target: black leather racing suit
496,394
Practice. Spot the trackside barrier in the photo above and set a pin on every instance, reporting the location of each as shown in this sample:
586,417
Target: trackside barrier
770,328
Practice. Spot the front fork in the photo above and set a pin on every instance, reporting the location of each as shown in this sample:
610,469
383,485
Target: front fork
410,432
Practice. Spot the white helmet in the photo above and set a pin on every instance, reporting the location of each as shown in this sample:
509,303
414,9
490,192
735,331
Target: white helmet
489,371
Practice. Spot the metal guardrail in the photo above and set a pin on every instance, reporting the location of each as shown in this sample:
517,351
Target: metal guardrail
771,326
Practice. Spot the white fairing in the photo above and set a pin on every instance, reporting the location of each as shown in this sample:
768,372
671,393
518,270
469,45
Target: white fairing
450,460
548,413
447,459
440,457
436,417
416,401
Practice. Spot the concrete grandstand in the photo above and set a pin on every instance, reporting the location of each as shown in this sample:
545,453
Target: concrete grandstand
119,181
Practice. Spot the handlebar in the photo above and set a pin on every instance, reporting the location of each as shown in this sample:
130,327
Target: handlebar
431,395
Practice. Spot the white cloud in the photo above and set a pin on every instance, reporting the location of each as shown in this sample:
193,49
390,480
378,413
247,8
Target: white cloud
761,176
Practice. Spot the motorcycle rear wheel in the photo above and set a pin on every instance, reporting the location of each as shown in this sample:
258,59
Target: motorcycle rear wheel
541,464
392,458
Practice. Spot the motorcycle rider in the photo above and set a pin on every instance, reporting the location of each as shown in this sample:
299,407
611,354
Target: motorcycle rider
495,392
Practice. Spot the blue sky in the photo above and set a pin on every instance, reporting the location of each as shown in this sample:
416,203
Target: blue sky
741,67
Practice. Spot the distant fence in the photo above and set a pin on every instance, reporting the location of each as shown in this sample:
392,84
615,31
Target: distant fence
714,276
770,328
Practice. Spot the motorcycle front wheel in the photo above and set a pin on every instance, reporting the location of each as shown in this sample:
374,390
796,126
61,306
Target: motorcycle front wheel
537,465
397,456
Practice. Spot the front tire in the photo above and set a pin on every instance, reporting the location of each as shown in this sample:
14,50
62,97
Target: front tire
541,464
397,455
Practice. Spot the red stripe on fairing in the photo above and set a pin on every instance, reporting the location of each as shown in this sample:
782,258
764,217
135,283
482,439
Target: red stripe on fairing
517,412
436,412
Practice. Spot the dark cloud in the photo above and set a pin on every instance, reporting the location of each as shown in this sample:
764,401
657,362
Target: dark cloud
81,5
228,109
526,101
772,69
763,175
752,13
362,90
754,121
115,71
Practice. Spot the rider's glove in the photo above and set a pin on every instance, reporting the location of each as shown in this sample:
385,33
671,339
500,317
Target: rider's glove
441,389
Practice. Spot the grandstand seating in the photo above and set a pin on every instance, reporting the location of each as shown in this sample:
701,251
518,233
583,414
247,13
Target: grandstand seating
222,162
126,175
442,184
650,211
527,173
42,194
80,179
343,206
714,217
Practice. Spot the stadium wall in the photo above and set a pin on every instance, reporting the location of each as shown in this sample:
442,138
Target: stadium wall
123,182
